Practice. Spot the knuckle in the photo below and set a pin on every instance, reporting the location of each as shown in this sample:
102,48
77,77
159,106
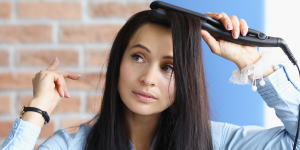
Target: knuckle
43,72
242,20
213,51
46,73
61,76
234,17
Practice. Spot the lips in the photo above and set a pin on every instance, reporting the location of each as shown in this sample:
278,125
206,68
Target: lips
144,96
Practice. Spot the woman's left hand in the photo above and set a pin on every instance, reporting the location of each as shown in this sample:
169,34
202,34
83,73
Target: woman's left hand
239,54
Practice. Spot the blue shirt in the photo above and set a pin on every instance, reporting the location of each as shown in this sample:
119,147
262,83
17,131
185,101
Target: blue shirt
279,93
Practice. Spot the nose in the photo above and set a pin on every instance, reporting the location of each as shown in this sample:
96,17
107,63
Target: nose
150,76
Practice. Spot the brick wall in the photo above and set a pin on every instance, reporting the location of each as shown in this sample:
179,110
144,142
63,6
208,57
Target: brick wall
78,32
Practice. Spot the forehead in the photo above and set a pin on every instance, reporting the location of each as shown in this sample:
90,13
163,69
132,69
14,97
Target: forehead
153,36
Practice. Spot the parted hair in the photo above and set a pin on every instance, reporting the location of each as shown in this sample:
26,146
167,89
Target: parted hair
186,123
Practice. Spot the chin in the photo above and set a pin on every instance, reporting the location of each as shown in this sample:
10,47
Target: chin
142,109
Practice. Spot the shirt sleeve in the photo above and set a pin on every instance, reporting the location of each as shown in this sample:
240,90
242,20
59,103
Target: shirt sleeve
279,93
62,140
22,136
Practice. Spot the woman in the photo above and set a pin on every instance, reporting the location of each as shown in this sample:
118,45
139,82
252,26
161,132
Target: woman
155,94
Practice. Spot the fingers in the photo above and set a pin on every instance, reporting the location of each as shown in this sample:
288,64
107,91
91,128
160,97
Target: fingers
58,76
53,65
68,74
243,27
211,42
61,85
226,21
214,15
236,27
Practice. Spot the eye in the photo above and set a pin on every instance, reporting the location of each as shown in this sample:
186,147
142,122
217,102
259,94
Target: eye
167,68
137,58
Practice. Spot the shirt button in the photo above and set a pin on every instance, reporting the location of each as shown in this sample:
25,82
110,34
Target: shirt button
276,67
15,125
10,136
242,74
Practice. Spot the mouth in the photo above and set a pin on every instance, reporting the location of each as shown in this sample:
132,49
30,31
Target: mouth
144,96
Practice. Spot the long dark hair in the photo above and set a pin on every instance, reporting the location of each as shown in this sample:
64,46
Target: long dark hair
186,123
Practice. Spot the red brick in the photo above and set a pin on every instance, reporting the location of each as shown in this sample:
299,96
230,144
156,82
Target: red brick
114,9
72,125
88,33
66,105
4,57
47,130
22,80
96,57
24,101
5,10
71,104
49,10
44,57
25,33
5,128
5,104
94,104
17,80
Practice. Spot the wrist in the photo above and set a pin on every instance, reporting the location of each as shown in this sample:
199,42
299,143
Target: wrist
37,104
245,62
34,118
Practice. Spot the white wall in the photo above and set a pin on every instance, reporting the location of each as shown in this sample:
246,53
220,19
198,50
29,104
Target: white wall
282,19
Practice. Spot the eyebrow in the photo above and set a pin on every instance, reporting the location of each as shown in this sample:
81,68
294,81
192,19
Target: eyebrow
141,46
168,57
146,49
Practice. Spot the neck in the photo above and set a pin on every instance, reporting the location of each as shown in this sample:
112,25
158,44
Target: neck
141,128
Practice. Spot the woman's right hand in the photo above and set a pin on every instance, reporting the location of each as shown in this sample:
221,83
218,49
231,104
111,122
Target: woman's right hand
49,87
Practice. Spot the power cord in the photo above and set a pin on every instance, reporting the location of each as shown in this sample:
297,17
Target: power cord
297,134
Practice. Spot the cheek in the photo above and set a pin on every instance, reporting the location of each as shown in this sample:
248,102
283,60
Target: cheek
168,90
125,76
129,76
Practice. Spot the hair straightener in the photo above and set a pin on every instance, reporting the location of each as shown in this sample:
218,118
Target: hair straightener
216,29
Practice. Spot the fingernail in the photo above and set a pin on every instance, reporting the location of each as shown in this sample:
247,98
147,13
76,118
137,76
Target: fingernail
68,96
219,15
235,34
63,94
244,32
79,75
229,26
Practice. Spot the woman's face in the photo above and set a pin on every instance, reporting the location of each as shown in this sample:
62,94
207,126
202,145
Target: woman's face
146,83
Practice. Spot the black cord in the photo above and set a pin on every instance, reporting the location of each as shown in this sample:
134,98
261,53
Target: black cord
297,134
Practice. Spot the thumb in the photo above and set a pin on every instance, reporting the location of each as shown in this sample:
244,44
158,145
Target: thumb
211,42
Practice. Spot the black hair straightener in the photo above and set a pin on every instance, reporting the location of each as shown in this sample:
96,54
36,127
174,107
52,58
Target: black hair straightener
215,28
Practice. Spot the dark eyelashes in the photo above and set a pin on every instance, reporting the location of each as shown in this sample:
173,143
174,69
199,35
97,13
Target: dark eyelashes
168,66
136,55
